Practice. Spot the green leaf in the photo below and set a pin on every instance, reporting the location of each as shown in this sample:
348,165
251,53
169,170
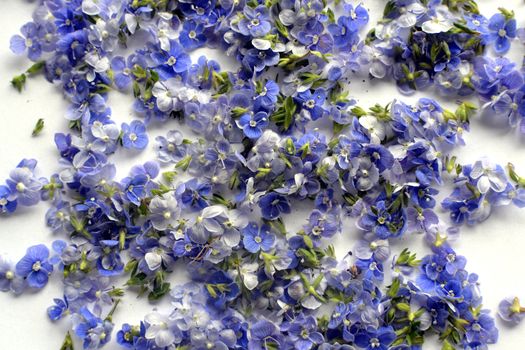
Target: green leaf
211,290
308,242
37,67
338,127
68,343
281,28
289,108
393,289
447,346
403,307
159,291
39,126
19,82
358,111
169,176
137,280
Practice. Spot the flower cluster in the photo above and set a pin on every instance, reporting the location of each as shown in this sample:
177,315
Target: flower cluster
430,44
242,151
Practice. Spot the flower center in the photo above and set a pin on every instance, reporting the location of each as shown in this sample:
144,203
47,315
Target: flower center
502,33
375,343
310,104
304,334
20,187
133,136
37,266
171,61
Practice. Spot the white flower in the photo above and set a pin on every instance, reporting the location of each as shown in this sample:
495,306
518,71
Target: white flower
155,257
159,329
248,272
165,32
409,14
91,7
261,44
489,176
167,94
377,59
106,135
172,94
163,212
207,224
375,128
99,63
440,21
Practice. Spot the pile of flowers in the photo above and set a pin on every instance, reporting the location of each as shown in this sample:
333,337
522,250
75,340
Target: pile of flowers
278,133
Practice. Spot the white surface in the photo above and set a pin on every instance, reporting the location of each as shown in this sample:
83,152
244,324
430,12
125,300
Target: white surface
494,249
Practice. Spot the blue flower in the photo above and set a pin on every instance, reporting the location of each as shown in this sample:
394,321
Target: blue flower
221,289
134,135
192,35
510,310
30,41
195,193
171,148
255,21
256,239
23,186
371,269
303,332
267,96
501,31
7,204
379,339
65,20
57,311
312,102
256,61
9,280
109,263
383,223
134,188
322,225
345,31
93,331
345,150
451,290
481,328
122,72
380,156
34,266
253,124
264,334
172,62
273,204
73,45
197,9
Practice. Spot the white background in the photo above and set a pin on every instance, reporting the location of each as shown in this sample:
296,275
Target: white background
495,249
